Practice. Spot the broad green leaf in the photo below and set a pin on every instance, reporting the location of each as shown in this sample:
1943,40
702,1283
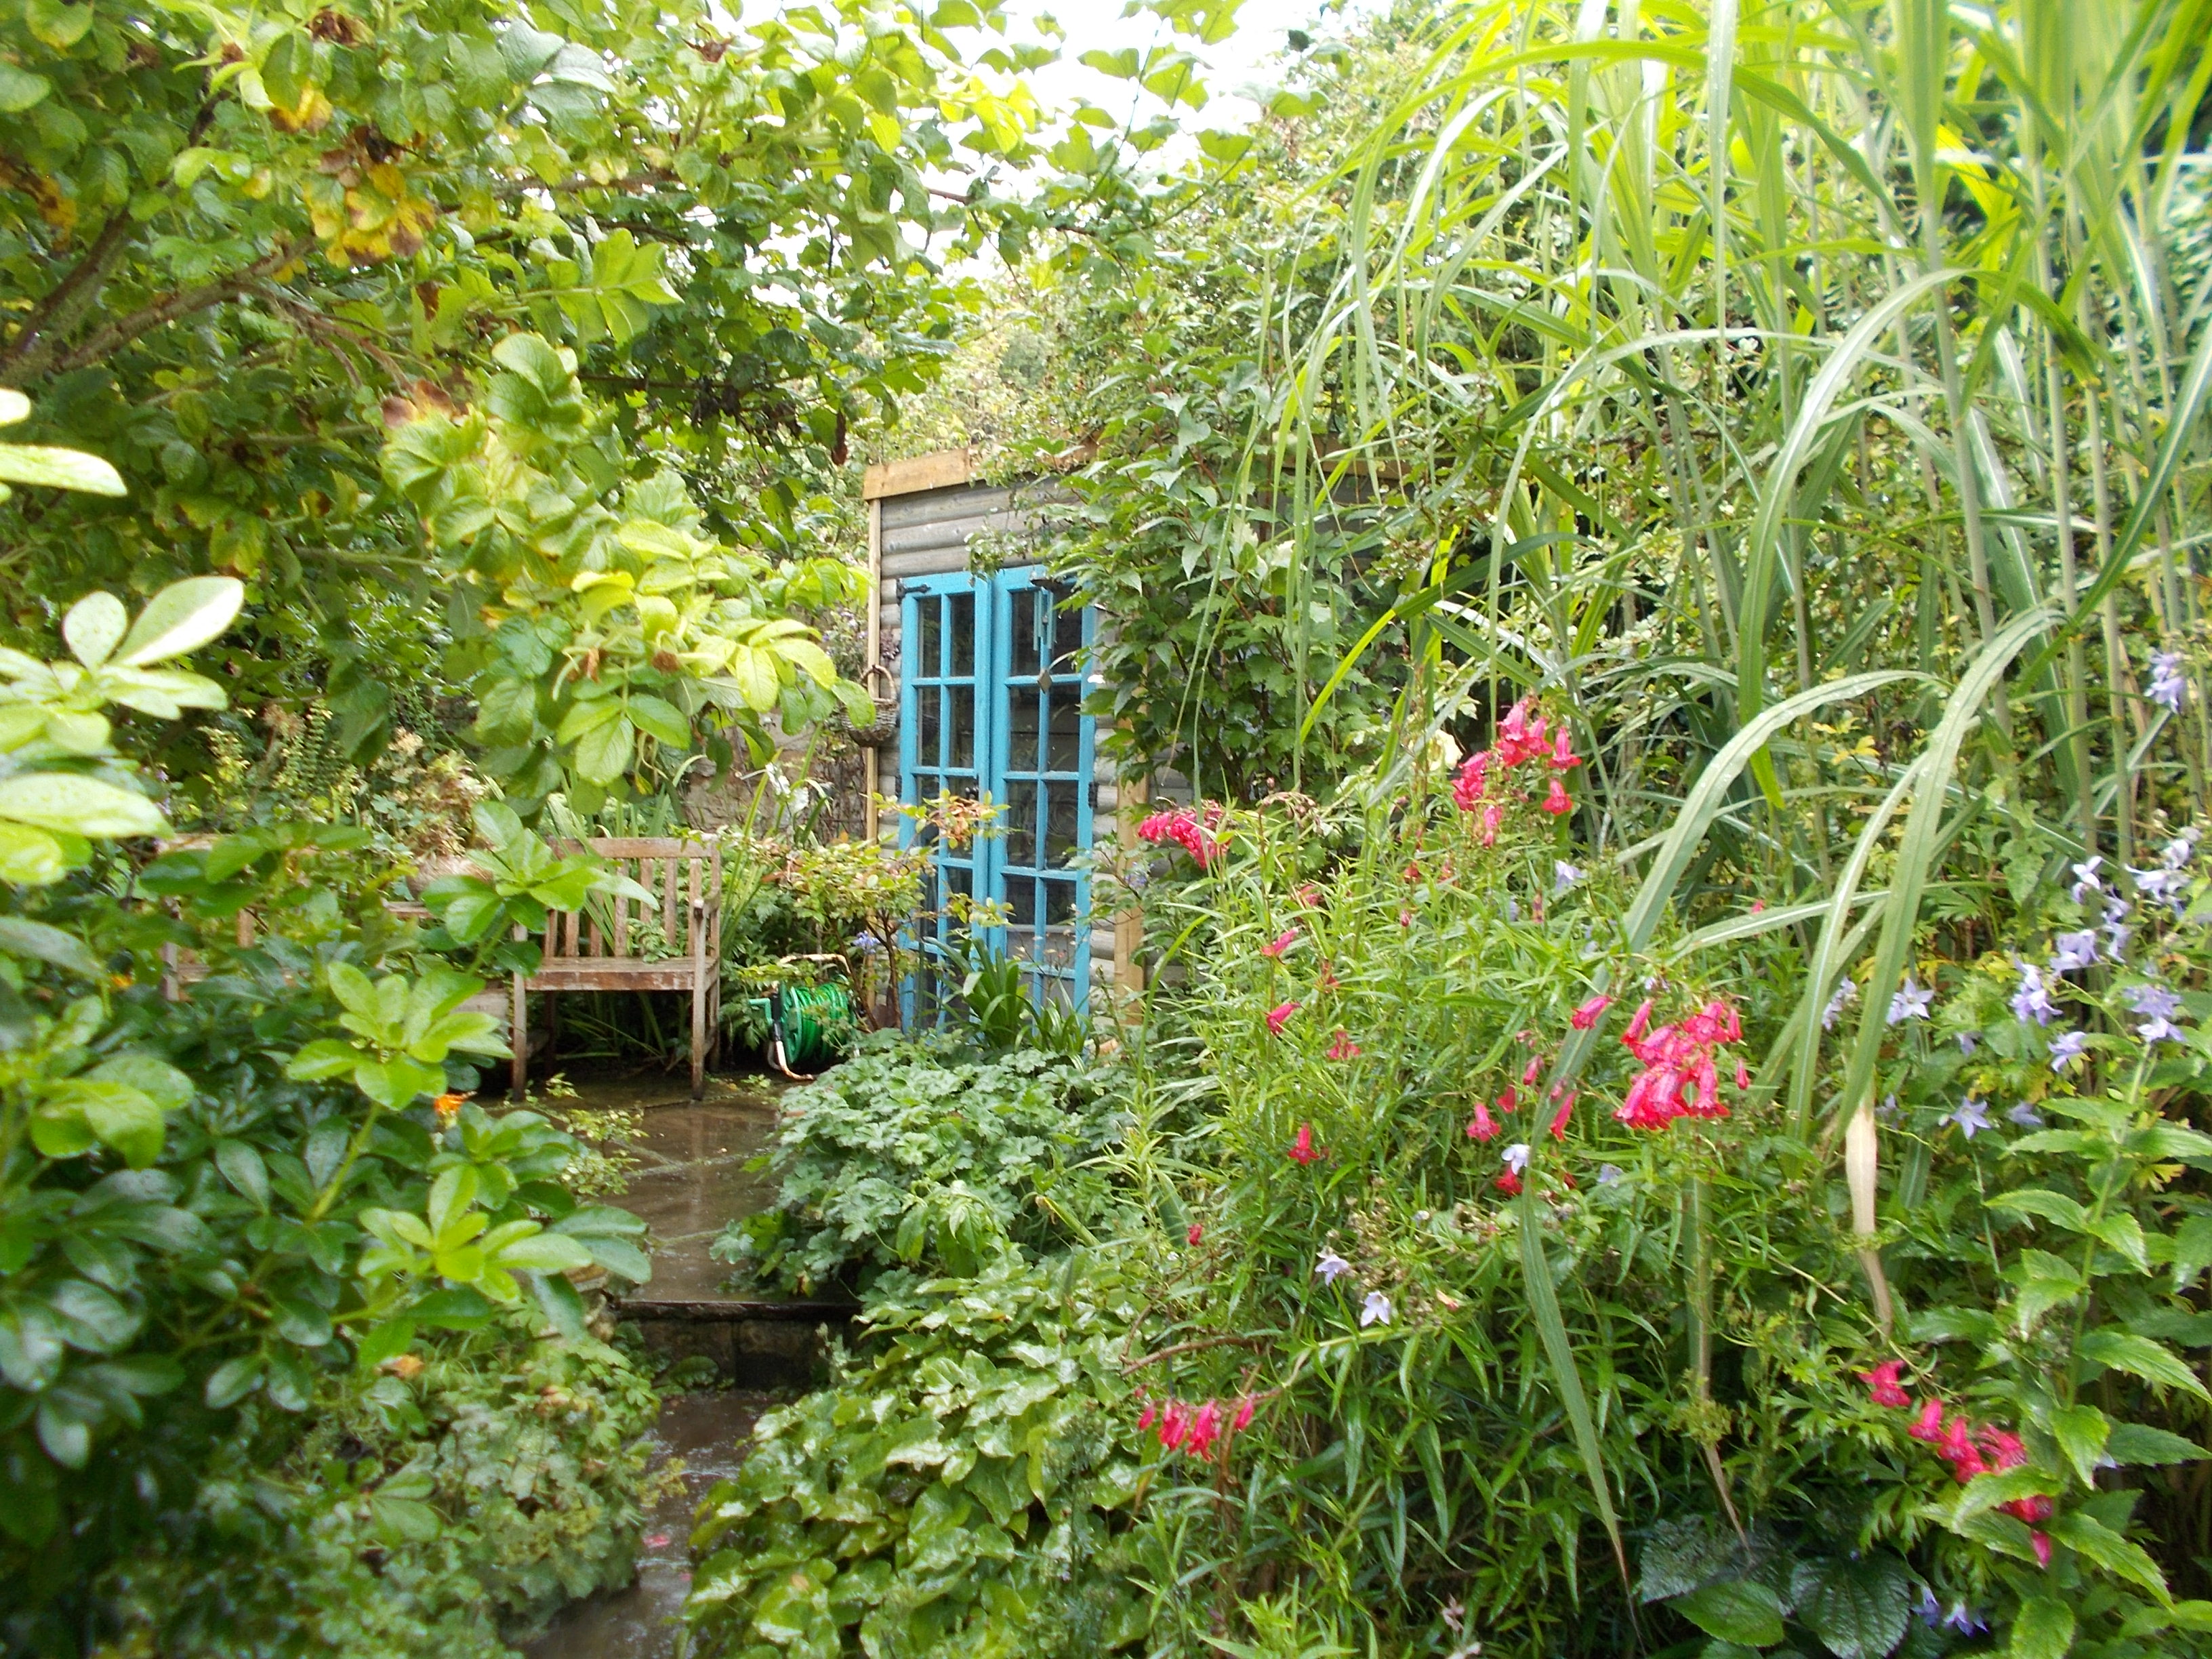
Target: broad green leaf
603,755
1858,1608
2098,1543
2134,1444
325,1057
78,806
93,626
2081,1432
23,938
31,858
1739,1611
2042,1629
181,617
56,469
660,720
2138,1356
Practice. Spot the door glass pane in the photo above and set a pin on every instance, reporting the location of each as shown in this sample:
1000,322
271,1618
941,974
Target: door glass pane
1066,730
1059,823
1022,729
931,726
1021,822
1066,640
962,660
928,663
1021,902
1023,610
927,785
1059,902
962,700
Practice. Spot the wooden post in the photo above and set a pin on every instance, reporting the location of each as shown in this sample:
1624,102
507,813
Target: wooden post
873,622
1129,800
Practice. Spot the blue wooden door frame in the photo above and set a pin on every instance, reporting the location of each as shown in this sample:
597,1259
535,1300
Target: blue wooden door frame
991,678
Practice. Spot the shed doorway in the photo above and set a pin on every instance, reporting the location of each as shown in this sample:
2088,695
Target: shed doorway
991,687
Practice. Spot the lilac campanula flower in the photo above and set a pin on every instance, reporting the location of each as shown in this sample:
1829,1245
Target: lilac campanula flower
1564,875
2159,1028
1971,1117
2117,937
1516,1156
2033,1000
2166,886
1331,1267
1376,1311
2166,685
1847,992
1969,1040
1610,1175
2158,1001
2066,1048
1887,1110
2025,1116
1512,910
2073,951
2179,851
1911,1002
1961,1621
2085,880
1931,1610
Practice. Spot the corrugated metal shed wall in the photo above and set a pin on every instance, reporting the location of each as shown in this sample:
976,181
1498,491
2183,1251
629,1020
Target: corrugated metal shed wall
930,532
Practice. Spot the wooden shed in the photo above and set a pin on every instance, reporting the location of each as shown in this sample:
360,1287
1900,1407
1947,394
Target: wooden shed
989,670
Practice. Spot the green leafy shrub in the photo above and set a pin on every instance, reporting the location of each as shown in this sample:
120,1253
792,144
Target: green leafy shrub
919,1152
964,1486
444,1507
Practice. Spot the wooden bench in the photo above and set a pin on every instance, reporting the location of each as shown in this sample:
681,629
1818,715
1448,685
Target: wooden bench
599,947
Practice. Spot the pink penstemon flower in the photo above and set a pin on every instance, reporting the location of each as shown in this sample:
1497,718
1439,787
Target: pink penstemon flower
1481,1126
1560,1117
1279,1016
1882,1385
1344,1047
1588,1015
1281,943
1302,1149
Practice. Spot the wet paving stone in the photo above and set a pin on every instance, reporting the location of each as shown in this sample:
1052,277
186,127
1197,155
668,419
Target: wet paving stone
707,1430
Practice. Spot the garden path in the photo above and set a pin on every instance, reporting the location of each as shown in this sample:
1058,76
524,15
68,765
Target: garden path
692,1180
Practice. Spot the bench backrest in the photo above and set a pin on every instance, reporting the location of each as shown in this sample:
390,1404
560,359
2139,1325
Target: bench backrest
685,877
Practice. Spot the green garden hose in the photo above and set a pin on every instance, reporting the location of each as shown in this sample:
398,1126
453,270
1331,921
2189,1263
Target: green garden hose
801,1021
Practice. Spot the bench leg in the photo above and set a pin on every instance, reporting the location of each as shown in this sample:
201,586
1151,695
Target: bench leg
519,1034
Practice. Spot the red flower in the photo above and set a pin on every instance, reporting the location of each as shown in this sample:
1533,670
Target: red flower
1743,1077
1929,1426
1205,1429
1179,826
1535,1070
2040,1542
1278,1016
1174,1424
1281,943
1559,1118
1344,1047
1588,1014
1310,897
1302,1149
1882,1383
1327,982
1679,1079
1481,1126
1638,1022
1242,1420
1196,1232
1557,800
1507,1100
1509,1184
1563,755
1145,1418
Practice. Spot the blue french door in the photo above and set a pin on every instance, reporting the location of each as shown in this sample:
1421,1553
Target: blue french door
991,689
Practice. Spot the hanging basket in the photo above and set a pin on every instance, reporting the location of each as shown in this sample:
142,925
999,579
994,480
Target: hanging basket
875,733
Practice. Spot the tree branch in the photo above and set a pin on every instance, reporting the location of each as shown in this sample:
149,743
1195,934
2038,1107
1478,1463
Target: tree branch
183,303
25,354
